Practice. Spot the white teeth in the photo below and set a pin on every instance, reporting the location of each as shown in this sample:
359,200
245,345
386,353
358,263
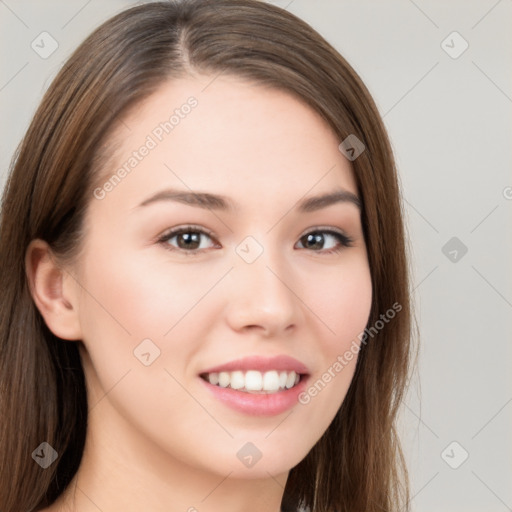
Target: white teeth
290,381
255,381
271,381
237,380
224,379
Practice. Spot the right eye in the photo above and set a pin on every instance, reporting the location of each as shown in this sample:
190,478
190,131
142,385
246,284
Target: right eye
188,240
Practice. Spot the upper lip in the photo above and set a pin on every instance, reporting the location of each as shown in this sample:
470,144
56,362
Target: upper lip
262,364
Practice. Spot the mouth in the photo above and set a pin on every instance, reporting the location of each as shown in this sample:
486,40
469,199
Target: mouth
255,381
257,385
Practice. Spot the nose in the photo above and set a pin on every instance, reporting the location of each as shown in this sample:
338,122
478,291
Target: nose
261,297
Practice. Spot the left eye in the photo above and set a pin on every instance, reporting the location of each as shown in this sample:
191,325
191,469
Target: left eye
319,237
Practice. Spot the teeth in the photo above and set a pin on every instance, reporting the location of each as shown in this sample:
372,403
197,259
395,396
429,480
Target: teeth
254,381
237,380
224,379
271,381
290,381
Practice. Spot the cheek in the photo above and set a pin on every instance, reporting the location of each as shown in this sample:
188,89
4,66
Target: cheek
138,298
127,301
341,298
134,306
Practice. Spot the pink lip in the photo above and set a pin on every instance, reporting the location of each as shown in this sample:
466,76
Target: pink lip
258,404
262,364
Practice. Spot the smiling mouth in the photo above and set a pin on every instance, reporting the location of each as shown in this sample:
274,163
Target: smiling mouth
254,381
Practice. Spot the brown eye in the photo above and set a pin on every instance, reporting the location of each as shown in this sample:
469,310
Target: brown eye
316,241
189,240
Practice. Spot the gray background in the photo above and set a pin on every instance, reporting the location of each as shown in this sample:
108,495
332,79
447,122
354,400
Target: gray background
450,125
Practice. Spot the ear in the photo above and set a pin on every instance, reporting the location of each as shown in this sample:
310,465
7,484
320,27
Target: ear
54,291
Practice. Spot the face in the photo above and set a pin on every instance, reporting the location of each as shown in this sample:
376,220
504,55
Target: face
208,322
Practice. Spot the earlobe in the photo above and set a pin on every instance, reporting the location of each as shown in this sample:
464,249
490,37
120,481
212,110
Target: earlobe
53,294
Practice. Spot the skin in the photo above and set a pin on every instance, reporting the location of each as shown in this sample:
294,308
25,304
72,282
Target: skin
157,440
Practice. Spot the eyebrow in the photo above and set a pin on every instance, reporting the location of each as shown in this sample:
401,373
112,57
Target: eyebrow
218,202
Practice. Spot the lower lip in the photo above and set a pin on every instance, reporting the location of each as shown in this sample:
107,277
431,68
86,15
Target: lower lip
258,404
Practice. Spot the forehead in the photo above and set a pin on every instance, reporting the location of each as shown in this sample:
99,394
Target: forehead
226,135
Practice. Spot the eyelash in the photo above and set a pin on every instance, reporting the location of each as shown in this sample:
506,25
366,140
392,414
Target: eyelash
344,240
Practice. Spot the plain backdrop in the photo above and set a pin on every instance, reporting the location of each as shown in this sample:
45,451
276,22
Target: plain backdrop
440,74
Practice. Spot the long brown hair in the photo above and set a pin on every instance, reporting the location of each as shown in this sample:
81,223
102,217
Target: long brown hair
357,465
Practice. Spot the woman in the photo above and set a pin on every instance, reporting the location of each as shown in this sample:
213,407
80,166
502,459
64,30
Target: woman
205,285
